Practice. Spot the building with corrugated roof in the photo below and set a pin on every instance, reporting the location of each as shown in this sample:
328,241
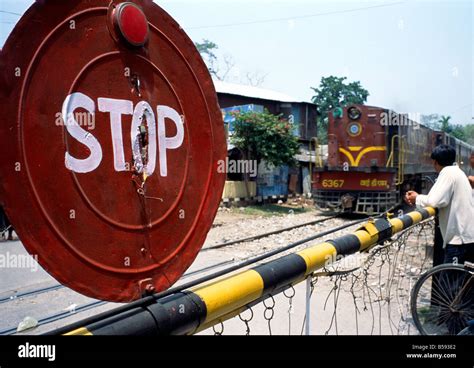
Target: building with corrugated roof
279,182
303,113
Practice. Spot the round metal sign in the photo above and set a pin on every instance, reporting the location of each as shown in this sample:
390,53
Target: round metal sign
111,137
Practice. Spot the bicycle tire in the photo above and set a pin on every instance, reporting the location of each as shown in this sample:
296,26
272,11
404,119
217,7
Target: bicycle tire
438,270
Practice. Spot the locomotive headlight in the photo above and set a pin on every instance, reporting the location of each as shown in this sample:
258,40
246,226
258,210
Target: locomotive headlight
354,113
354,129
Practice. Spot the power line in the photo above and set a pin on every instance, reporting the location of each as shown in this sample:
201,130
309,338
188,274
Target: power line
8,12
296,17
462,108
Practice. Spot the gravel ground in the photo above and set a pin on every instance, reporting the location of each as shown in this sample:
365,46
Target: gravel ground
370,301
232,224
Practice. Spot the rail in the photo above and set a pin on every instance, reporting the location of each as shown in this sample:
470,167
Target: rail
209,304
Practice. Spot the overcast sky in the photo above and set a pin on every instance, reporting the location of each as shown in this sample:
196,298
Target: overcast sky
412,56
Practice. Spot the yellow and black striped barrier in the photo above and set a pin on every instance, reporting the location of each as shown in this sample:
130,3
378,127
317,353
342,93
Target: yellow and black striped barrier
203,306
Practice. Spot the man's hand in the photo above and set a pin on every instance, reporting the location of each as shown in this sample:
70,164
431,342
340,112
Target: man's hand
410,197
471,180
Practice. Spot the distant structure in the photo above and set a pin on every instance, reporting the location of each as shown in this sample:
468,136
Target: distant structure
279,182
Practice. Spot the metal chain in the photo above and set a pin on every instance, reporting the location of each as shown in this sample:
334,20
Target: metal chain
269,312
290,301
218,333
247,320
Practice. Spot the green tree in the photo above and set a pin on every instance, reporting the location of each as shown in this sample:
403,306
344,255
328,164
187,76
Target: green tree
207,50
221,66
432,121
464,133
445,124
334,92
469,133
263,136
458,132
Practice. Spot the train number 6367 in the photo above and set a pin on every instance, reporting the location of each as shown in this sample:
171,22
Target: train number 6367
333,183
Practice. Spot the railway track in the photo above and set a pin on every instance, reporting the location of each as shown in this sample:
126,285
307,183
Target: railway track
84,307
39,291
234,265
47,289
31,293
265,235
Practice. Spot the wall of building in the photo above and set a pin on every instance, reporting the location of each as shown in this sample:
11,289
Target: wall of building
305,116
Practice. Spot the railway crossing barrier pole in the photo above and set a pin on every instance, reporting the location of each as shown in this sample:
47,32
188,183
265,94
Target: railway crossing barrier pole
203,306
308,306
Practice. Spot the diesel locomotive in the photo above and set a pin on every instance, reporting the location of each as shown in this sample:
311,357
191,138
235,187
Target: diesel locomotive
375,155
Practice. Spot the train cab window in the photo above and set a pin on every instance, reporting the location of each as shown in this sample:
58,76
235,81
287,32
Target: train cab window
439,139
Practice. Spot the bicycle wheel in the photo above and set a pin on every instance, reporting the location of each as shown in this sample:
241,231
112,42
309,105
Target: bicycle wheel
442,300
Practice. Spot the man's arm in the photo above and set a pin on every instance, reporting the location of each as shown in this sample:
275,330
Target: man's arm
471,180
439,196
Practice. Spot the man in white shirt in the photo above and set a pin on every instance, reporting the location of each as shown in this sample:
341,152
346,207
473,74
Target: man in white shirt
452,196
471,171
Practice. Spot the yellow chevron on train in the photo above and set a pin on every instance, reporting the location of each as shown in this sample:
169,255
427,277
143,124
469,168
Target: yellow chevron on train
355,162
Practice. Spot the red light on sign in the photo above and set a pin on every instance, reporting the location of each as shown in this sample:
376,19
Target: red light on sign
132,23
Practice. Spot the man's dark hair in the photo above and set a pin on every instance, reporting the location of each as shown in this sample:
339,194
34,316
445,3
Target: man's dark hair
444,155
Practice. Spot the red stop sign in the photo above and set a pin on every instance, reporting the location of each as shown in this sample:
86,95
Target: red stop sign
110,145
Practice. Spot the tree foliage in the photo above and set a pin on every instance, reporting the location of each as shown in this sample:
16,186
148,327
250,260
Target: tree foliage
445,124
207,50
431,121
334,92
207,47
469,133
456,130
221,66
438,122
263,136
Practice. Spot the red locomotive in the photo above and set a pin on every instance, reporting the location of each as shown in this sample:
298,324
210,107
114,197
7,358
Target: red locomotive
375,156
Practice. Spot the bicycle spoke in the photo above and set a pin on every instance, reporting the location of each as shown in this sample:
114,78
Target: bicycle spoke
446,287
443,300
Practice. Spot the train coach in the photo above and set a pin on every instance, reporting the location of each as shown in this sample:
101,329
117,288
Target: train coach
375,155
